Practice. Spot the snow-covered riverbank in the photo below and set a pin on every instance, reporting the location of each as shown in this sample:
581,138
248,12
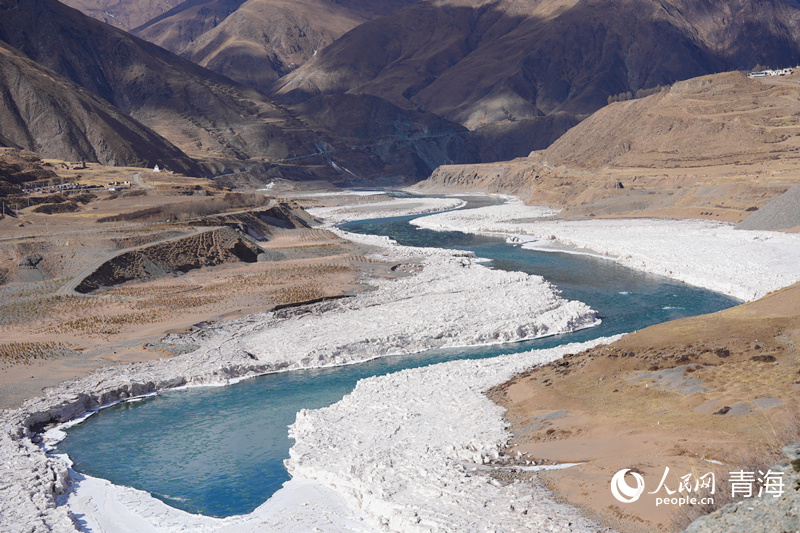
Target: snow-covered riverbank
453,301
396,207
743,264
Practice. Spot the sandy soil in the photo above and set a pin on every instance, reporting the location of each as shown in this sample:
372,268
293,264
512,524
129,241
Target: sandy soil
720,387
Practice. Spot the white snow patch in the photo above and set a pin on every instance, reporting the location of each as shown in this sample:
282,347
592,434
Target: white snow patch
396,207
299,506
743,264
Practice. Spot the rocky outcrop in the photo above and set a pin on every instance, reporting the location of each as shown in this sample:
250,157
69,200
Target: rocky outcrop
261,224
170,258
781,213
762,514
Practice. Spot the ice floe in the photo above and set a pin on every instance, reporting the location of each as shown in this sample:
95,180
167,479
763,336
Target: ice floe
715,256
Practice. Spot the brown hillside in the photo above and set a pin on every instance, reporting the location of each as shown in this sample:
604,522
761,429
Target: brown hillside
261,40
125,14
720,387
716,147
206,115
720,119
48,114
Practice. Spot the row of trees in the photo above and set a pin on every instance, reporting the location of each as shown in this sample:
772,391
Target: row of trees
641,93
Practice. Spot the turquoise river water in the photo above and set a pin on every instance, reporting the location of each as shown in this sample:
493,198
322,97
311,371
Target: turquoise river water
219,451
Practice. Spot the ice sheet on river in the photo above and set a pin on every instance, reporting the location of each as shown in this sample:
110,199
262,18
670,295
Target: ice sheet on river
454,301
742,264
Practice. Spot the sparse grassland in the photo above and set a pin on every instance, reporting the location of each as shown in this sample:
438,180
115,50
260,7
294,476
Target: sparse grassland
27,353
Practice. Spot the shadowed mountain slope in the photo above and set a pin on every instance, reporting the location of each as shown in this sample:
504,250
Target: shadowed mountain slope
186,22
260,40
125,14
48,114
407,143
209,117
483,63
204,114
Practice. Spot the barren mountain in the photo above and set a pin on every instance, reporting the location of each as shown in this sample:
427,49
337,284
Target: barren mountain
206,115
261,40
125,14
718,147
483,63
48,114
180,26
712,120
408,143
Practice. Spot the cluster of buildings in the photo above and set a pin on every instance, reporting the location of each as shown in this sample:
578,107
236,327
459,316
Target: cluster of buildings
117,185
779,72
61,187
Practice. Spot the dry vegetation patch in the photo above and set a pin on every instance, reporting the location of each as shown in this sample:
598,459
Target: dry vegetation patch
720,387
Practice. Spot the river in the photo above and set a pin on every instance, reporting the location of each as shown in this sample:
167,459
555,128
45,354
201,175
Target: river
219,451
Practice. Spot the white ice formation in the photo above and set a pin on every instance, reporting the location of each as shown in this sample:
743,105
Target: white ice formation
743,264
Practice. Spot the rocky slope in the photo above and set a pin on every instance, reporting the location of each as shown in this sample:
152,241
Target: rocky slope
481,63
718,147
181,255
209,117
125,14
48,114
258,41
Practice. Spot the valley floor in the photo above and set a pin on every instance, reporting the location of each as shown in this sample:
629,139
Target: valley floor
402,451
